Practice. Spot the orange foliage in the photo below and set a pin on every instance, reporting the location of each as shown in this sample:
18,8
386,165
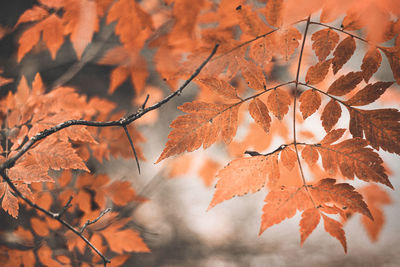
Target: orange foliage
242,76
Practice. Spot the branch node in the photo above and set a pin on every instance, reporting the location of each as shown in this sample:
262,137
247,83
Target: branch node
89,222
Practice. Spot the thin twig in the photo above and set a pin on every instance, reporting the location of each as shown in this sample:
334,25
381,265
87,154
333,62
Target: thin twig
89,222
294,110
65,208
132,146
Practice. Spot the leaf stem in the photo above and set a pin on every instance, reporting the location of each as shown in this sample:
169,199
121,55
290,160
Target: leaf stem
294,110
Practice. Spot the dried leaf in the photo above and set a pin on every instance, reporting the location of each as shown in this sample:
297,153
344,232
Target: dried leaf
381,127
283,204
278,102
333,136
220,87
343,53
310,155
202,126
335,229
259,112
324,41
252,74
331,115
371,63
368,94
309,220
353,157
345,83
239,177
318,72
310,101
288,158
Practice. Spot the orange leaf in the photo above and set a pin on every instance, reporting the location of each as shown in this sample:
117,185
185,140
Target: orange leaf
343,53
40,227
310,101
273,12
30,15
310,155
381,127
81,22
29,171
331,115
278,102
134,24
344,195
333,136
239,177
352,157
10,202
375,198
56,155
208,171
309,220
371,63
368,94
345,83
318,72
50,29
289,158
261,51
259,112
324,41
283,204
123,240
202,126
220,87
287,41
334,228
121,192
393,56
253,74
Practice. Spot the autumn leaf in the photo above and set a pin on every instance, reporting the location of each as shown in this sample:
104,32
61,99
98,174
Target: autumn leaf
239,177
335,229
380,126
310,101
49,29
318,72
310,155
353,157
220,87
122,240
375,197
202,126
324,41
345,84
252,74
343,53
371,63
343,195
309,220
259,112
283,204
288,158
278,102
368,94
330,115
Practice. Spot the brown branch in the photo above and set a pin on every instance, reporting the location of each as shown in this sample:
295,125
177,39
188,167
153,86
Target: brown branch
294,110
